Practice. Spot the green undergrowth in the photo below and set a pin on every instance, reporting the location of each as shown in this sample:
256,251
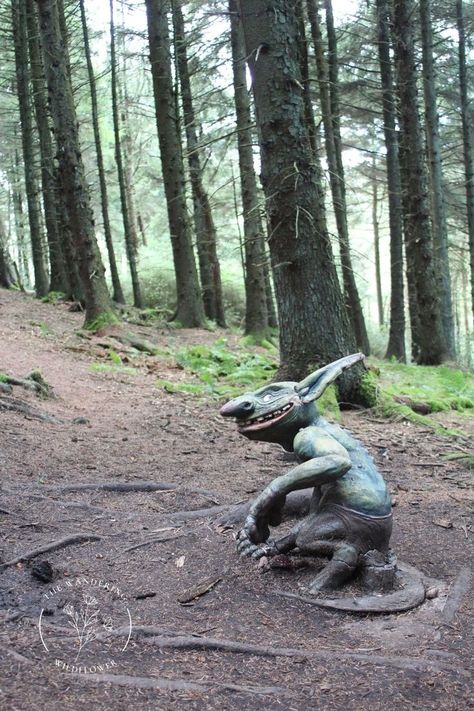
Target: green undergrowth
112,368
402,390
217,371
106,318
115,366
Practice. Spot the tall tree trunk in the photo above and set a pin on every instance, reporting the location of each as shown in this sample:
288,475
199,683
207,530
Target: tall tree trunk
71,174
7,276
468,143
329,96
303,59
375,225
58,277
126,137
420,263
206,235
117,292
396,338
20,38
440,232
314,327
256,305
130,240
190,308
19,215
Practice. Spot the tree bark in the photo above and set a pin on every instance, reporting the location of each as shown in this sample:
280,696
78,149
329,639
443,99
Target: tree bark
71,176
375,226
20,39
206,236
468,143
58,277
19,215
327,72
396,338
418,237
117,292
440,232
314,327
130,240
190,308
256,305
7,276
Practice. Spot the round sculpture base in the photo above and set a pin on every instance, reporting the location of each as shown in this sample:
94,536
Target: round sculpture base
407,592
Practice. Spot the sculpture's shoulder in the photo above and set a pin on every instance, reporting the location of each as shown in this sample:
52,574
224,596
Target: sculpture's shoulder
341,435
316,441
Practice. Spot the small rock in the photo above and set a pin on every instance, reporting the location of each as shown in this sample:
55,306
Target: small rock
80,421
443,523
431,593
42,571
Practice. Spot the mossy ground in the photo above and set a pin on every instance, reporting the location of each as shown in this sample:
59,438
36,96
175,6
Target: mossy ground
220,371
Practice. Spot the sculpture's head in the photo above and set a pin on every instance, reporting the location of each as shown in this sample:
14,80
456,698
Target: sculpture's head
276,412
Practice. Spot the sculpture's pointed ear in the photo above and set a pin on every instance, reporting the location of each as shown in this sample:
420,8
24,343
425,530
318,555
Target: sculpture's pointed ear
312,387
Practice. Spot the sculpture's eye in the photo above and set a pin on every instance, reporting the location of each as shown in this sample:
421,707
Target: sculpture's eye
267,398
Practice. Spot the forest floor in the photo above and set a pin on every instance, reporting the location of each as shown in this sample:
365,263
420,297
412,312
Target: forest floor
137,557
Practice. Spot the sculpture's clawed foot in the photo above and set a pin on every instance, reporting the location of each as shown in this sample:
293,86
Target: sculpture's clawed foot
247,549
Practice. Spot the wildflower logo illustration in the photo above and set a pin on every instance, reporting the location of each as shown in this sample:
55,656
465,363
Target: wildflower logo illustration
91,608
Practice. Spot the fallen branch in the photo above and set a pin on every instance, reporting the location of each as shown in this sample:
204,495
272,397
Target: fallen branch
176,640
146,682
54,546
455,596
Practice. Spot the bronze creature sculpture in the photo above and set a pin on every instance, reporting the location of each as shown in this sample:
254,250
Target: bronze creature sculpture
350,510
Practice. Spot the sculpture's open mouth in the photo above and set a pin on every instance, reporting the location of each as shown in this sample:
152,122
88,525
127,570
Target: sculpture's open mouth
267,420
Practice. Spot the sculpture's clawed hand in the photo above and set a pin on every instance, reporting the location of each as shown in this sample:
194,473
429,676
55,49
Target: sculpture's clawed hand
247,549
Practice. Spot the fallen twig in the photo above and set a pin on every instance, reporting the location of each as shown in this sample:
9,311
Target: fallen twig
199,590
54,546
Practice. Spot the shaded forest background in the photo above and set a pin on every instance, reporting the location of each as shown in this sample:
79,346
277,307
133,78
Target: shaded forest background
100,146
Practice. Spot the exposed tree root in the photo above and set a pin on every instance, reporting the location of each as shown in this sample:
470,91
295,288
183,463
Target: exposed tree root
128,486
196,513
145,682
458,590
53,546
150,541
13,404
177,640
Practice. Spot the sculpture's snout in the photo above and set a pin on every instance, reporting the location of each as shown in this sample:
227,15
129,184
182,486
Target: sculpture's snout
239,408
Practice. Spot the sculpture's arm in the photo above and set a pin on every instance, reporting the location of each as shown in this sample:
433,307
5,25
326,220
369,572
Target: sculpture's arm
326,461
315,472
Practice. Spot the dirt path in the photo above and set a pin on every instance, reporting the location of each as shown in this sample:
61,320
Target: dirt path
136,558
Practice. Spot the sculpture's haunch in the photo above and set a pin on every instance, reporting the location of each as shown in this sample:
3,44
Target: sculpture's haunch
350,511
